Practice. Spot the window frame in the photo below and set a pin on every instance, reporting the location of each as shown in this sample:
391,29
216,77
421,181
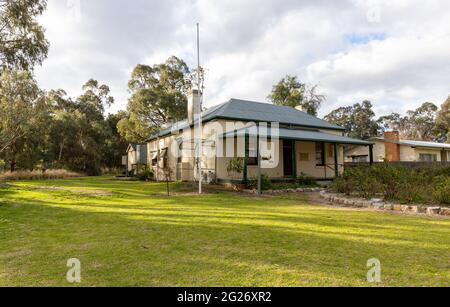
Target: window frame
322,152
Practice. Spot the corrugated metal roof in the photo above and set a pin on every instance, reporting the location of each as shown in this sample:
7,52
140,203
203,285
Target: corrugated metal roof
265,112
304,135
425,144
244,110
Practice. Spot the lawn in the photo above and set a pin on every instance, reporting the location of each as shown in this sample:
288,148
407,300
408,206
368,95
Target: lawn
131,234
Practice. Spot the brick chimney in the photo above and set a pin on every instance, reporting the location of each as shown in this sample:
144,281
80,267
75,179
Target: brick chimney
194,105
392,147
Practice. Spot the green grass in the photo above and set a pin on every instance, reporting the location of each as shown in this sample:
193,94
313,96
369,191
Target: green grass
139,237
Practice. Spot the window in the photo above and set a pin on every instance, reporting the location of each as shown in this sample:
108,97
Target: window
320,154
252,153
304,157
180,153
154,158
428,158
360,159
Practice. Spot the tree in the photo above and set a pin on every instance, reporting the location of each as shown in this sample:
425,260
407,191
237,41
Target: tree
421,123
418,124
292,93
19,99
442,128
22,39
357,120
158,93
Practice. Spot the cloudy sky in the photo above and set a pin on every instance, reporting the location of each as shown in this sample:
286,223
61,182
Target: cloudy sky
394,52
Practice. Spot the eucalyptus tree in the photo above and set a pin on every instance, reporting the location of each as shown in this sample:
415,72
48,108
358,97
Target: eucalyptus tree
22,40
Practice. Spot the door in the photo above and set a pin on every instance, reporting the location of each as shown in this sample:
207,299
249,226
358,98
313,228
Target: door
288,158
444,156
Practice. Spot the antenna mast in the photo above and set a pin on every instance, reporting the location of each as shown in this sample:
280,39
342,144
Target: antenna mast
200,123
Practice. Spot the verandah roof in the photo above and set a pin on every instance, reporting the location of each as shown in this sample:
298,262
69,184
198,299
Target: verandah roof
301,135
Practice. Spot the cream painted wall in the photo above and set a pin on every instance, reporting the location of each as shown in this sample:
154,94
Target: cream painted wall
407,153
219,165
379,152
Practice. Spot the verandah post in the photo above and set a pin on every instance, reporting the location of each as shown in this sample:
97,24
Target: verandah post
247,141
336,160
371,154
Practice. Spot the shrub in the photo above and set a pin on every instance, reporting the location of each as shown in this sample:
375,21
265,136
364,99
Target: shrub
266,183
304,180
396,183
441,192
39,175
145,175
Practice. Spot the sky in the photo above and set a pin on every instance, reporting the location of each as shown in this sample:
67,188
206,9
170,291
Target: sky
395,53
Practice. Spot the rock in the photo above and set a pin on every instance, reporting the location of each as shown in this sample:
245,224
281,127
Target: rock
299,190
348,202
414,209
445,211
405,208
422,209
397,208
378,206
361,203
376,200
388,207
433,210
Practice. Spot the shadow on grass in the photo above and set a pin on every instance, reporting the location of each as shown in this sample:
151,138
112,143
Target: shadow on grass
223,242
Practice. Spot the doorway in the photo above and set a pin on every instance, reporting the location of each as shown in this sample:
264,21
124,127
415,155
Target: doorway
288,158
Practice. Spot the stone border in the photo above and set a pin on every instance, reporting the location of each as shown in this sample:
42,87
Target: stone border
380,204
278,192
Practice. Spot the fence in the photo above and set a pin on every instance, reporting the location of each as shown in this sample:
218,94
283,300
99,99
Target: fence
404,164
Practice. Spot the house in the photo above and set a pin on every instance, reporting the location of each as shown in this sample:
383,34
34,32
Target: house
136,158
391,148
281,142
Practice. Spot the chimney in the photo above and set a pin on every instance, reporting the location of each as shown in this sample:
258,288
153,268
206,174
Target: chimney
194,105
392,147
301,108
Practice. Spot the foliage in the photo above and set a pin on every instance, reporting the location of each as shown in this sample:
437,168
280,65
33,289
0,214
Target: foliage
38,175
236,165
266,183
304,180
292,93
396,183
441,193
20,101
50,130
22,39
357,120
442,128
145,175
158,93
418,124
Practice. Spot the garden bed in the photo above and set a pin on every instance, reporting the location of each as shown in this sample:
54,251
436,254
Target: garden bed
379,204
428,185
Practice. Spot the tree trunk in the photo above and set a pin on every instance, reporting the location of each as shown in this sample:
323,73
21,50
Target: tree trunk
13,165
61,146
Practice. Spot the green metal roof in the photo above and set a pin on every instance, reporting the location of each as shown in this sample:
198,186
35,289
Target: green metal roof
416,144
244,110
303,135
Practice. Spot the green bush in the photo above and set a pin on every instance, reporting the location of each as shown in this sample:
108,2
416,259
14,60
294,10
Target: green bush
266,183
423,185
305,180
145,175
441,192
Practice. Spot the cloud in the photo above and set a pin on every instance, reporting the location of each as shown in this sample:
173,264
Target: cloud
394,53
